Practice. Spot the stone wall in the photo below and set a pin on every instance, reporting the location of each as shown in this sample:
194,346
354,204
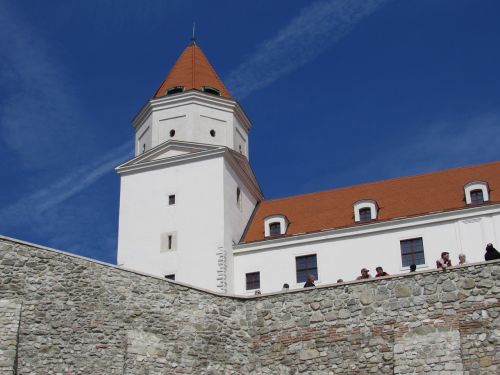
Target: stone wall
63,314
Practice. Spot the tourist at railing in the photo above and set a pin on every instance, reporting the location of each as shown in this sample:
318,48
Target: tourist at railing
491,253
461,259
445,261
364,274
380,272
310,281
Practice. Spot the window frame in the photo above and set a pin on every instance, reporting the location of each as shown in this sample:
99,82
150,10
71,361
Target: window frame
473,186
306,269
282,219
362,214
272,229
413,253
174,90
473,199
172,200
362,204
247,281
211,90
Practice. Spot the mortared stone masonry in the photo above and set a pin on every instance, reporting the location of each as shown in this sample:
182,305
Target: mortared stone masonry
63,314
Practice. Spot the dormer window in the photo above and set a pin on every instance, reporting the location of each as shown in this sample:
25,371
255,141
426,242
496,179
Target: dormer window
274,229
211,90
365,210
476,192
365,214
275,225
476,197
175,90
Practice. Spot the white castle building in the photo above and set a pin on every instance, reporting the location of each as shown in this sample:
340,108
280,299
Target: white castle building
192,210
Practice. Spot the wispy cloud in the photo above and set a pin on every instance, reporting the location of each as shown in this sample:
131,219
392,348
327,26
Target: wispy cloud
39,115
316,28
30,208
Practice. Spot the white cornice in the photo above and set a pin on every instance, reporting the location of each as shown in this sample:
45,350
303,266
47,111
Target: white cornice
192,97
376,227
204,152
172,160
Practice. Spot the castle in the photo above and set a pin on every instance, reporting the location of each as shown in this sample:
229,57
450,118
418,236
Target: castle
191,208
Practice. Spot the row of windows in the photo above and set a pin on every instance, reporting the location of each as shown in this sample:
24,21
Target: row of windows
412,252
172,134
476,193
207,89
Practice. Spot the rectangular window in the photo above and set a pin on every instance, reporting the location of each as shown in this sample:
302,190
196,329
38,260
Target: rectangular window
171,199
168,241
412,252
365,214
476,197
306,265
170,277
275,229
253,280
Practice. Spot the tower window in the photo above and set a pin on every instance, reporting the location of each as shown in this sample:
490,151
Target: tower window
476,196
168,242
274,229
365,214
175,90
412,252
212,133
170,277
252,280
172,132
171,199
305,265
211,90
238,197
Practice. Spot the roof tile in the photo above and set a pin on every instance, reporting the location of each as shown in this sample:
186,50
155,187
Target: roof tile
398,197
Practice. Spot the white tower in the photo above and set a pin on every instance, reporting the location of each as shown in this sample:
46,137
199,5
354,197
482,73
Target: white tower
188,194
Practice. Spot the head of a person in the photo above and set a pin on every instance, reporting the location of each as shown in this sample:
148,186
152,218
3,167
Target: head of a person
258,292
445,255
286,286
489,247
310,277
413,267
379,269
364,272
461,258
340,280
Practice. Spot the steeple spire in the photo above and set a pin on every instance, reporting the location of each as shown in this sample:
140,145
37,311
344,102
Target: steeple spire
192,71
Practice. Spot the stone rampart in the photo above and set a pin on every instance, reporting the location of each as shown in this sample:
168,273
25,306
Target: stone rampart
63,314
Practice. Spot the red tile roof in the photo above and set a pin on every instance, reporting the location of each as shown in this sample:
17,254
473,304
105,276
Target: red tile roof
398,197
193,71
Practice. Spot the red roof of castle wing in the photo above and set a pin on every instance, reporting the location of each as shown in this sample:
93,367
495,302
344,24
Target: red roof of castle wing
192,71
398,197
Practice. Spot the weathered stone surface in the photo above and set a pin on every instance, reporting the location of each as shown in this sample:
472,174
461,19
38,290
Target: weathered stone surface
61,314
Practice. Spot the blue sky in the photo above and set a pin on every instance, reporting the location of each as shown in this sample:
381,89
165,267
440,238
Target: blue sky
339,92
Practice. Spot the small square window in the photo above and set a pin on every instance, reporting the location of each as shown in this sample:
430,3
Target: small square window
171,199
305,265
412,252
253,280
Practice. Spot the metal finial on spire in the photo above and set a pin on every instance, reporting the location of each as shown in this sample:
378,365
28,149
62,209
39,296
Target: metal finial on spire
193,39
